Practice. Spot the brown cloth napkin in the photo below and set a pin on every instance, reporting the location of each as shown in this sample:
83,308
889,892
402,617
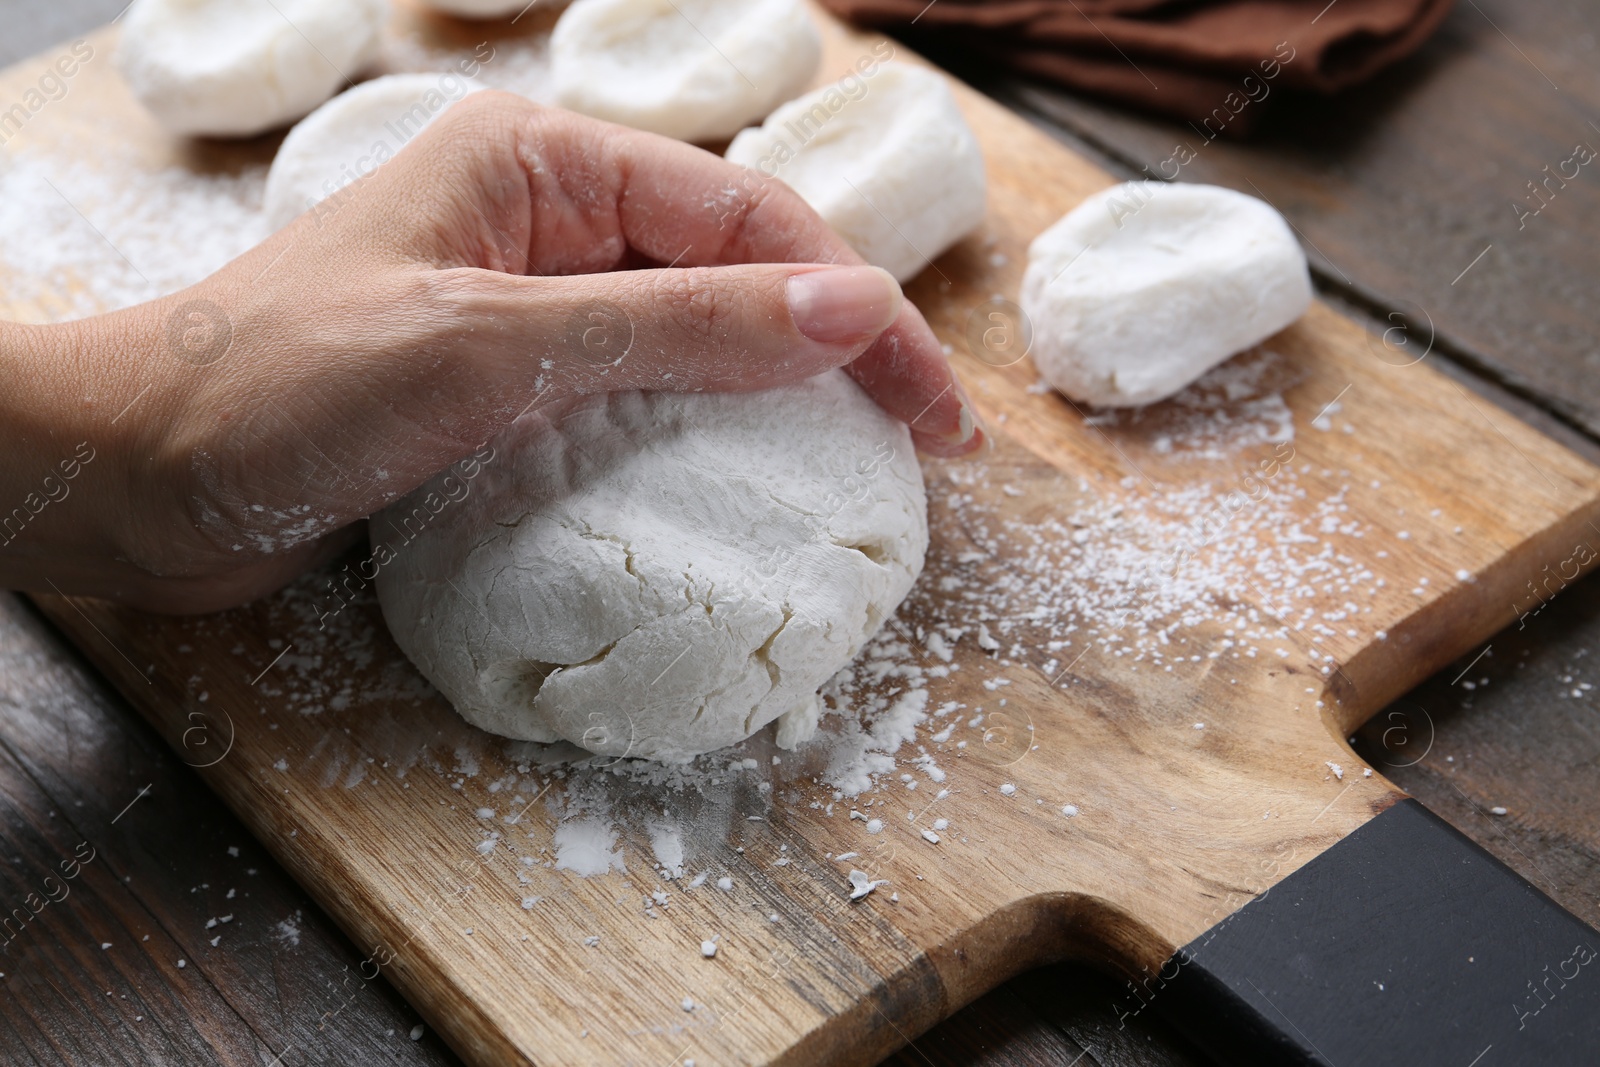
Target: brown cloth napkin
1197,60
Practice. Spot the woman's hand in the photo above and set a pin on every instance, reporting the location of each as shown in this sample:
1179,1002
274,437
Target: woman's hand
510,256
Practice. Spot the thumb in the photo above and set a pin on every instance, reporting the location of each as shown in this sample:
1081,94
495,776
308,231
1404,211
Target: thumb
340,426
748,326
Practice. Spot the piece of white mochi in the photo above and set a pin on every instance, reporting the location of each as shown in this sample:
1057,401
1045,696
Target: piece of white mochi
234,68
352,135
657,575
884,156
697,70
1145,286
478,9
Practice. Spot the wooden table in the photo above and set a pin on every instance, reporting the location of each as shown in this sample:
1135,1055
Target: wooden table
1396,188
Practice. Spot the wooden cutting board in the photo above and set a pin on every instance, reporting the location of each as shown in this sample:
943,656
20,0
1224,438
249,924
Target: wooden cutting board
1113,808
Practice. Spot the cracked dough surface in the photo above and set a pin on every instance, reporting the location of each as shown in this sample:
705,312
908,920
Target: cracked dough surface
233,68
697,70
659,575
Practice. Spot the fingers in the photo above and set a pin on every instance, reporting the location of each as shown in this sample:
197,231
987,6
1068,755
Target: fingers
906,372
491,267
699,209
537,191
748,326
442,360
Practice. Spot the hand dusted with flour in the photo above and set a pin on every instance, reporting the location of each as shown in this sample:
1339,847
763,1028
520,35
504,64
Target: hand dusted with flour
659,575
250,422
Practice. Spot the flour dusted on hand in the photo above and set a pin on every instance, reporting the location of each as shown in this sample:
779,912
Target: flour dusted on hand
655,574
234,68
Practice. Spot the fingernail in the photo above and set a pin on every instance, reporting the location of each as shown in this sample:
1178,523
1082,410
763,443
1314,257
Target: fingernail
966,426
838,304
967,421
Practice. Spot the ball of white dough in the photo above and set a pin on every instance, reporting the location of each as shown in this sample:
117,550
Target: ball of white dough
697,70
657,574
1143,287
479,9
884,156
233,68
352,135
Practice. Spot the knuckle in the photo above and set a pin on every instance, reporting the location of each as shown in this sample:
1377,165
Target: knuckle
762,198
488,108
761,219
483,122
775,193
449,301
700,305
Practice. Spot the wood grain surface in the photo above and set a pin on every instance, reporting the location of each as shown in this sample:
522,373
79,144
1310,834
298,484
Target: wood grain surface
94,977
1171,831
279,980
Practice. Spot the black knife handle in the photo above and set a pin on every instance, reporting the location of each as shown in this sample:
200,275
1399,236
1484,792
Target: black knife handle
1406,944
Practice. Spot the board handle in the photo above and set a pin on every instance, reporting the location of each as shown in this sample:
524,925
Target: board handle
1405,943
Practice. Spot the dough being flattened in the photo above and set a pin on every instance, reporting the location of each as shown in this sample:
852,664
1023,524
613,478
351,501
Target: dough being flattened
697,70
658,575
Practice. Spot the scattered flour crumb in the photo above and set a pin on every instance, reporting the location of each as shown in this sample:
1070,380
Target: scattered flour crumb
288,930
861,884
587,846
666,841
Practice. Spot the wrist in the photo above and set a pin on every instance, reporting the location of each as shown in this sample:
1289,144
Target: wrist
72,412
49,457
